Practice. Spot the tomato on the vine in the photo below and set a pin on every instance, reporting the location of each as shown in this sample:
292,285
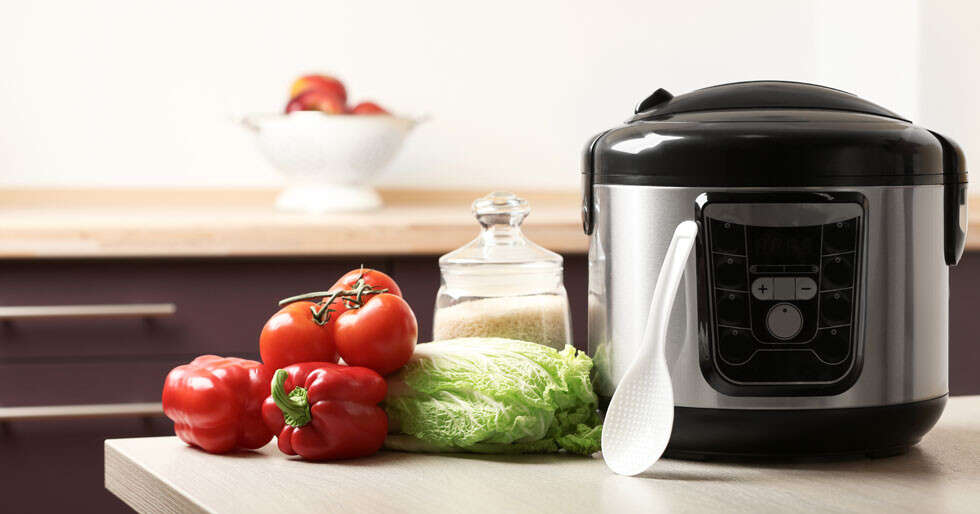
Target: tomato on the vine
380,334
363,316
292,335
372,278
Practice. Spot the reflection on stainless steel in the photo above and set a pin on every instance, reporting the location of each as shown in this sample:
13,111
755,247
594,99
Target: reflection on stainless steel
906,300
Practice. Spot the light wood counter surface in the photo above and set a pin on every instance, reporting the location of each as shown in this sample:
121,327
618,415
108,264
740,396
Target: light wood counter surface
48,223
161,474
242,223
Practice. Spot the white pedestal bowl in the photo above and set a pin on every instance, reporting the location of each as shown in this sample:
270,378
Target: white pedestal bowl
329,161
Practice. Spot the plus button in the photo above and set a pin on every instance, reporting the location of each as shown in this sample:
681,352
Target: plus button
762,288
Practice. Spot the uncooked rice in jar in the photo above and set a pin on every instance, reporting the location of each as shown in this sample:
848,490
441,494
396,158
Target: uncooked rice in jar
540,319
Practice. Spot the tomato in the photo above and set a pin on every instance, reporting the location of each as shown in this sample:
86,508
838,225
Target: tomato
381,334
292,336
368,324
373,278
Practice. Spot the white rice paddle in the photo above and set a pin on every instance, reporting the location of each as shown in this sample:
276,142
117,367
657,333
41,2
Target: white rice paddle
641,413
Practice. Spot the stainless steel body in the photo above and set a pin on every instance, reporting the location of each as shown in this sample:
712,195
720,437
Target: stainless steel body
904,312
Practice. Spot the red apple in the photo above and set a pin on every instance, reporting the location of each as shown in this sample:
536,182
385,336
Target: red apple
316,101
368,108
322,83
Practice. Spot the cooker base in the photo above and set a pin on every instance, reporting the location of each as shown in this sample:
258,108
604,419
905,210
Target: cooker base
725,434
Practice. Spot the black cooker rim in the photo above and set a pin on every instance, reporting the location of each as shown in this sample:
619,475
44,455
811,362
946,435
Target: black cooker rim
726,180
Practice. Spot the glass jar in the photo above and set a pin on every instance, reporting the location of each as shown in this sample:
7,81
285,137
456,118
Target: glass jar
501,284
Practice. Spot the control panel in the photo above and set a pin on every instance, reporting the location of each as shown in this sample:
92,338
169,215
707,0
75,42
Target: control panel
780,293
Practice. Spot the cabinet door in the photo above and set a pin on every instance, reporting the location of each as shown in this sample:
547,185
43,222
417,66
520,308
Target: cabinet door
57,466
964,325
76,355
219,307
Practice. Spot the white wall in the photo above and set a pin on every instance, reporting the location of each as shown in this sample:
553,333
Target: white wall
950,73
125,93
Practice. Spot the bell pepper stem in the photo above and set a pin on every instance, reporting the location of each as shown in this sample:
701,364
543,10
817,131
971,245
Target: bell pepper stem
295,406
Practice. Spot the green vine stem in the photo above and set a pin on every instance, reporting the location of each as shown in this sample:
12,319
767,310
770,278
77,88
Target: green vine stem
306,296
353,298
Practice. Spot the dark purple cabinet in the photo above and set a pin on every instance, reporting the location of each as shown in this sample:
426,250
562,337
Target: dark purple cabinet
964,325
57,466
221,305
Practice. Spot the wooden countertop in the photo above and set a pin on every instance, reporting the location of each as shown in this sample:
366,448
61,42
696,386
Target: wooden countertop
218,223
161,474
47,223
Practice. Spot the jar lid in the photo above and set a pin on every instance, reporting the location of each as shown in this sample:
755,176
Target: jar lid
501,246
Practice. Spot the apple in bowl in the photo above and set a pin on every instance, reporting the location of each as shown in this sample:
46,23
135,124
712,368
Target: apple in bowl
323,83
314,100
368,108
328,153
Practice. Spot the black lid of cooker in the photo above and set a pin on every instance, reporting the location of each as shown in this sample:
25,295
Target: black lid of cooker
773,94
770,133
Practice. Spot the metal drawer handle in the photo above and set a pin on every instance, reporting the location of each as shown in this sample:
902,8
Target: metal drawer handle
108,410
131,310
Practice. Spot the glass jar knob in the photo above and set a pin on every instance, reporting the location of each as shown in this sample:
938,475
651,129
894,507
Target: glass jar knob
500,208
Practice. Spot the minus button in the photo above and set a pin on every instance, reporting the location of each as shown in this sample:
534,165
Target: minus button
806,288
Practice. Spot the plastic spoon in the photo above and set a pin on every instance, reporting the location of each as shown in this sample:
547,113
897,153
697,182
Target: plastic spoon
641,413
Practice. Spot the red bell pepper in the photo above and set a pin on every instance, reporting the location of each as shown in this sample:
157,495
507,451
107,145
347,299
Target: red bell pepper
216,403
322,410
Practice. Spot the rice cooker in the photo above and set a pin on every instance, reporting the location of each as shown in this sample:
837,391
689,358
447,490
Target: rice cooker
813,317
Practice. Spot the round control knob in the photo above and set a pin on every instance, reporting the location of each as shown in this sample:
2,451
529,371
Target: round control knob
784,321
731,309
837,271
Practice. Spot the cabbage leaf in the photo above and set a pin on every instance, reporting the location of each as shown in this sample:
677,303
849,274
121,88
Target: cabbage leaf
492,395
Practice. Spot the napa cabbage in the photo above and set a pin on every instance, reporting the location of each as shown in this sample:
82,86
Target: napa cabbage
493,395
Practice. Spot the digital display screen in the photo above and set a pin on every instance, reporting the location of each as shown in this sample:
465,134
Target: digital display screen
784,245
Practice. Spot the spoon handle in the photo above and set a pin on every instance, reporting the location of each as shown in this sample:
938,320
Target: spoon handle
671,272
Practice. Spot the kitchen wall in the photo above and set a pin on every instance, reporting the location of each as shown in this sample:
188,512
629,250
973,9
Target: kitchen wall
949,54
122,93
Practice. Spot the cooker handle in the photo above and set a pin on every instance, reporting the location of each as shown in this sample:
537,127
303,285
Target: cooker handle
955,219
588,180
